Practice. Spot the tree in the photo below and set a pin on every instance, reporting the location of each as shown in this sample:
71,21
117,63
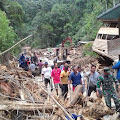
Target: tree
7,35
15,14
51,21
2,4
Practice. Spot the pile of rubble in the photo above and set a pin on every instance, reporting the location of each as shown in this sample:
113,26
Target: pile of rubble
23,97
20,92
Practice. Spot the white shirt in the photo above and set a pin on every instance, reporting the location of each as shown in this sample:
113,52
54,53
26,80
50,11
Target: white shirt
47,72
32,67
82,75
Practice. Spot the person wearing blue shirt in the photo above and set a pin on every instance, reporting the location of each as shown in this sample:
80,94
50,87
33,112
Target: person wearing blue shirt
22,57
117,67
75,78
22,61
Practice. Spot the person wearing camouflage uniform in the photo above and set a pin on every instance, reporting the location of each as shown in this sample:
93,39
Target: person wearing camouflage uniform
107,81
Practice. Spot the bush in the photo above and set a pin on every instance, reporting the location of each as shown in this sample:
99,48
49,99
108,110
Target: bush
7,34
87,51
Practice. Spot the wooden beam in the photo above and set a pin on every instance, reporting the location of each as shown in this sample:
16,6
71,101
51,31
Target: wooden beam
20,105
102,53
77,94
109,20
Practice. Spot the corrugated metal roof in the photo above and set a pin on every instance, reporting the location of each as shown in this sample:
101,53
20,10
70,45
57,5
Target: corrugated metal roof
113,13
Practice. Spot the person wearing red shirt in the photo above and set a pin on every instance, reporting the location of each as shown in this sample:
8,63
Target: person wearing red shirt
56,77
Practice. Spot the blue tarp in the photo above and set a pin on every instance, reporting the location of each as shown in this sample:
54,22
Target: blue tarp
74,116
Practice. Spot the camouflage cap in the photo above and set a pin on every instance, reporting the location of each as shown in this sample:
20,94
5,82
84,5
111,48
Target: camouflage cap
107,69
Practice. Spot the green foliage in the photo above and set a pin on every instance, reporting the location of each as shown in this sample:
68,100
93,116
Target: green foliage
87,51
54,20
15,14
2,4
51,21
67,44
75,18
7,35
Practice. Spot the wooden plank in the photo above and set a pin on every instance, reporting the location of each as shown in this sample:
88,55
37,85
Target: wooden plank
85,42
108,31
109,20
20,105
103,54
76,94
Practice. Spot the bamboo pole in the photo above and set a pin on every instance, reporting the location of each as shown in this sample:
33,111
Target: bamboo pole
15,45
58,104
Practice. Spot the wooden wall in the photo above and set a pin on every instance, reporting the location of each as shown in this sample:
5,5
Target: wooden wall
100,45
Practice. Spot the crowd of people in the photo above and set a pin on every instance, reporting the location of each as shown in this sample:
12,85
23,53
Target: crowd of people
62,77
30,63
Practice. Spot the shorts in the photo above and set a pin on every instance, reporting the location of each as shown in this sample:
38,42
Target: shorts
46,80
56,86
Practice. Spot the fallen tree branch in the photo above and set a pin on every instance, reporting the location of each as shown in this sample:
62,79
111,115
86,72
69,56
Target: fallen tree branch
15,45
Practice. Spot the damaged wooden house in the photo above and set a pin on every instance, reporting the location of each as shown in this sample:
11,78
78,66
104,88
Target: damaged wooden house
107,42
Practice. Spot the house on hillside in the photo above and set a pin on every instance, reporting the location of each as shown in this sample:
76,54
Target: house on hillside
107,41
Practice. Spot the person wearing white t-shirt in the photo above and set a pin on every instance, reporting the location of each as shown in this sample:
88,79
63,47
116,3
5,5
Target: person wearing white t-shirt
46,75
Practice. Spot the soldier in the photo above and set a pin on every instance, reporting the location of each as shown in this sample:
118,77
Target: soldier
107,81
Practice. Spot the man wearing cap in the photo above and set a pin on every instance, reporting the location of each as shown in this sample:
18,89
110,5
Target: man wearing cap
46,75
107,81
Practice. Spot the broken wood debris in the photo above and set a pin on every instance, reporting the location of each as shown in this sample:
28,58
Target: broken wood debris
20,91
21,105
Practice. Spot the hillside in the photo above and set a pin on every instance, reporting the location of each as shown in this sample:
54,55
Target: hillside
51,21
